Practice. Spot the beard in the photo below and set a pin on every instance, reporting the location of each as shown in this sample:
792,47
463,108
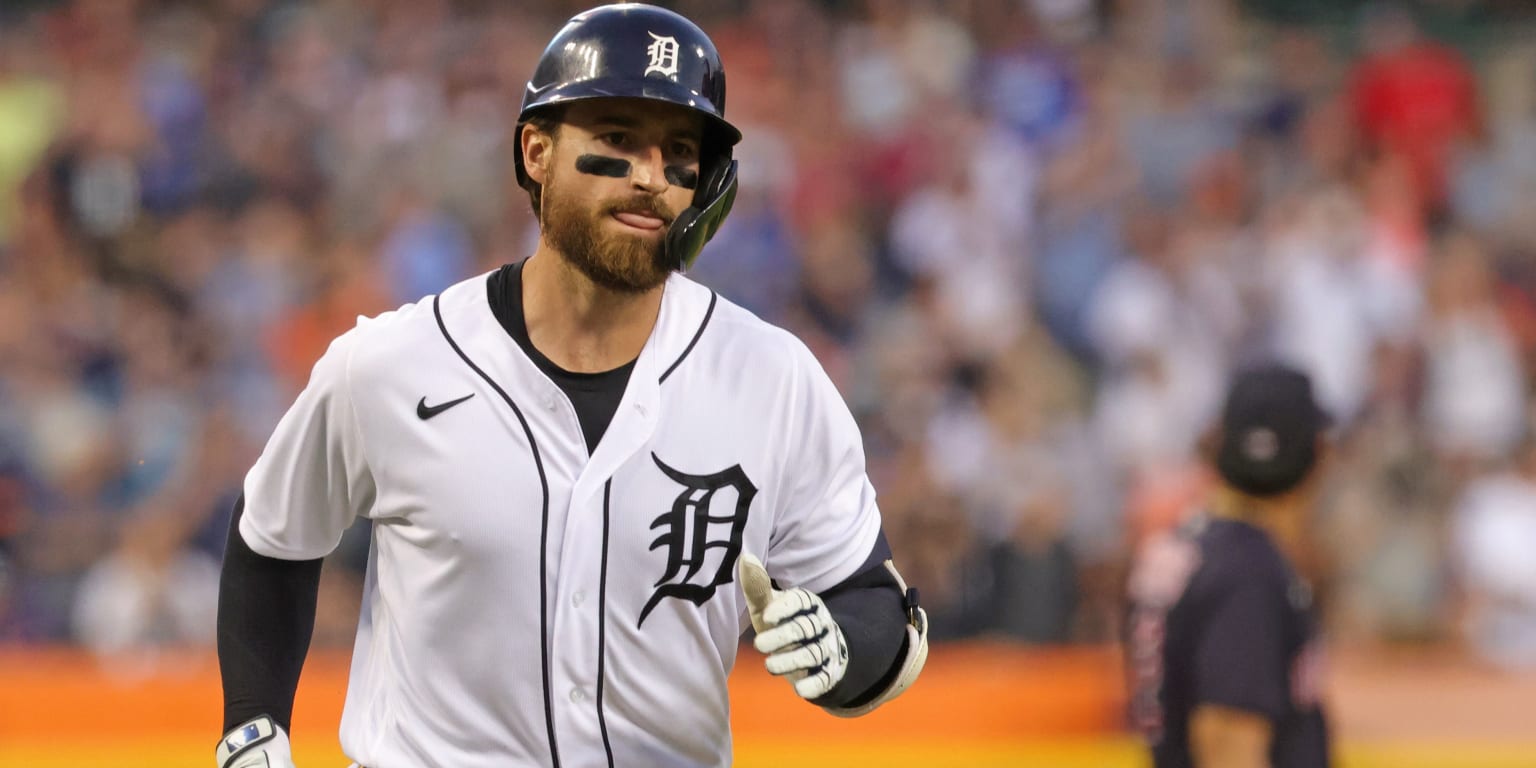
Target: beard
618,262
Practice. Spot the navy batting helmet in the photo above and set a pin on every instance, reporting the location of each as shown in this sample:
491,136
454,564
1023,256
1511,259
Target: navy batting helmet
636,51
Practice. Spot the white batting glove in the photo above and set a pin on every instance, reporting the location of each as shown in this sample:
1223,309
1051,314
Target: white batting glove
802,640
255,743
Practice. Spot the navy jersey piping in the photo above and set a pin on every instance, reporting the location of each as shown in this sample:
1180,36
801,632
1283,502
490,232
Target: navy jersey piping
708,313
538,462
602,622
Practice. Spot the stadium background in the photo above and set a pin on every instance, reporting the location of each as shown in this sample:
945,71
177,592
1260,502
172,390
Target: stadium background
1027,238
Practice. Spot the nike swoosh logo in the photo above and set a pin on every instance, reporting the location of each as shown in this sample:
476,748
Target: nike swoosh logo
424,411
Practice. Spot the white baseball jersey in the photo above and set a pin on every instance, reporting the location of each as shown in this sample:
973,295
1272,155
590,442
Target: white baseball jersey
527,604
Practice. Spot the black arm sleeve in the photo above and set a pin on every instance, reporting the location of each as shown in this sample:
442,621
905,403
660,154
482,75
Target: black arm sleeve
870,609
266,617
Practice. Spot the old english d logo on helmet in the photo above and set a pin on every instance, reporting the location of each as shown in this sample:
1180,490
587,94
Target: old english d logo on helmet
636,51
663,51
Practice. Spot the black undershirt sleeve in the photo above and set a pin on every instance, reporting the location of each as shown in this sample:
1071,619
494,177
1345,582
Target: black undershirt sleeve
869,608
266,618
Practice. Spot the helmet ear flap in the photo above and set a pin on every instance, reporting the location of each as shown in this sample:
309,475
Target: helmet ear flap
697,223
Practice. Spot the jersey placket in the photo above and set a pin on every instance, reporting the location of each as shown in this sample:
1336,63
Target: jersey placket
580,566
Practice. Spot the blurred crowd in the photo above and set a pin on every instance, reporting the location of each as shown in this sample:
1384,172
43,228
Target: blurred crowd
1029,239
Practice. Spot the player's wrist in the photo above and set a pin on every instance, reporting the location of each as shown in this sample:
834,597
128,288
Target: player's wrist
256,743
909,665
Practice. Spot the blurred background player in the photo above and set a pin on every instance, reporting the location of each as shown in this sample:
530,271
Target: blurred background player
1223,644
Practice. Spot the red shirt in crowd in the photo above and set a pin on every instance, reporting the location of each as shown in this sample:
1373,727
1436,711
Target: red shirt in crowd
1418,102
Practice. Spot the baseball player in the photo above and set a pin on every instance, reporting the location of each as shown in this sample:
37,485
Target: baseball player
585,473
1222,643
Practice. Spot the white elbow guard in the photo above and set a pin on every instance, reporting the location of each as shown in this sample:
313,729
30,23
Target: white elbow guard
911,665
255,743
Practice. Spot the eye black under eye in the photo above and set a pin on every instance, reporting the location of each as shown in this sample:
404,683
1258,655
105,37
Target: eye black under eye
687,178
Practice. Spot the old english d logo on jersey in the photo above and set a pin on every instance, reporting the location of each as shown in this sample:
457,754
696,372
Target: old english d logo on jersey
663,53
692,527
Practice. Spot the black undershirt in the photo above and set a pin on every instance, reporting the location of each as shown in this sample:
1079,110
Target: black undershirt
595,396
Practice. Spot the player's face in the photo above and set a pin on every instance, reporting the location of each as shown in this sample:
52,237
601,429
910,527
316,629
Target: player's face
619,172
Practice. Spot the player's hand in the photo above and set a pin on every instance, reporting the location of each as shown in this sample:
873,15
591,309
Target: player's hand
256,743
803,642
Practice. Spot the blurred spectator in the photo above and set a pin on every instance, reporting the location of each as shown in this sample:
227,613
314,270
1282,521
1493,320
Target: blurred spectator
964,232
1082,186
929,529
148,593
1160,324
1383,517
1494,525
1475,391
1183,130
259,278
1010,452
1027,83
13,516
1331,308
1414,98
424,250
31,109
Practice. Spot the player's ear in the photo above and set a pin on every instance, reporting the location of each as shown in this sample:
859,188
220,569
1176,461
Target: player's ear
538,148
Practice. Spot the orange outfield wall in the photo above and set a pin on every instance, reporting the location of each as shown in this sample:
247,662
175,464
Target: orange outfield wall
976,692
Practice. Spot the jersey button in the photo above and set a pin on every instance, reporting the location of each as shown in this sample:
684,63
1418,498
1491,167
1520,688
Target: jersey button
578,695
578,598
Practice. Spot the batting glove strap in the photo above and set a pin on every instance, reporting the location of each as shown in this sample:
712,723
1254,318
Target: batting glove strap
911,666
255,743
